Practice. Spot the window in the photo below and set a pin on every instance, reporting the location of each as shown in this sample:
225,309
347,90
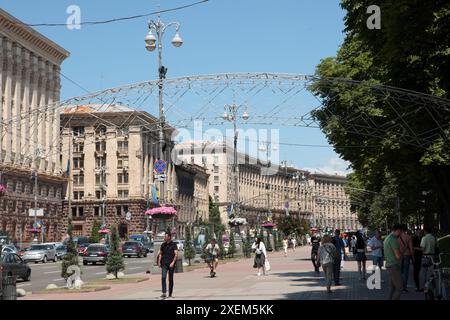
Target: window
216,159
74,211
78,163
122,146
78,195
100,179
100,162
78,180
100,146
122,177
98,195
80,211
100,131
121,210
123,194
216,179
78,147
122,163
216,169
96,211
205,160
78,131
216,188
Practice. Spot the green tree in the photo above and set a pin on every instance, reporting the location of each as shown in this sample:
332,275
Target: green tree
221,247
214,218
247,244
268,242
279,240
71,258
189,249
207,241
115,261
232,247
95,236
410,51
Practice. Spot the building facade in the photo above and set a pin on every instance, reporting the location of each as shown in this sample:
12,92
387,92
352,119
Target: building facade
29,125
268,190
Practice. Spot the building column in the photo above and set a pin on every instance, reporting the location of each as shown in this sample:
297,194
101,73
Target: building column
25,110
50,119
7,99
34,112
42,116
17,106
1,95
56,127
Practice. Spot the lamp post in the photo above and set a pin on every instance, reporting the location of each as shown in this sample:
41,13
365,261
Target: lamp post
150,44
231,114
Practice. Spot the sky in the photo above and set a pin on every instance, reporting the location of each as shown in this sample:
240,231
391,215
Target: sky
220,36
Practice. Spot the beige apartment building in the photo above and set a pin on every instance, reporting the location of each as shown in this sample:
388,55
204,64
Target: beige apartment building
112,149
266,189
29,125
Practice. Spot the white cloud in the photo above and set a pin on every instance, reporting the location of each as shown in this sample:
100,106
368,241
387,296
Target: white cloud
333,166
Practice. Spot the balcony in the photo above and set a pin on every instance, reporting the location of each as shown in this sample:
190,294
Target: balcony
100,153
122,153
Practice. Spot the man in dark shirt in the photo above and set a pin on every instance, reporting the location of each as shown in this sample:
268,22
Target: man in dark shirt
315,243
167,258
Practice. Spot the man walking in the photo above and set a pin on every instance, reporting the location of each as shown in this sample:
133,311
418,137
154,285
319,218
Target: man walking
376,245
428,245
393,256
167,258
315,244
340,247
406,250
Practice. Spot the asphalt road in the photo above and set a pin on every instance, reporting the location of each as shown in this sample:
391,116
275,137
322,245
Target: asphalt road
50,273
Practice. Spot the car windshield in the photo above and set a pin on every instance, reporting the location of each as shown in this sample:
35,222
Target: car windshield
61,248
131,244
38,248
96,248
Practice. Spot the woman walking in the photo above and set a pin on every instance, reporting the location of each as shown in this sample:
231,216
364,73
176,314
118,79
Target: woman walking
285,246
326,255
361,258
260,256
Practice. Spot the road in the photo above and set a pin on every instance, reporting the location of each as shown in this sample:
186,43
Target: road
50,273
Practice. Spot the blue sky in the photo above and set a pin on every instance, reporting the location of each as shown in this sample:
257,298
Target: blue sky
290,36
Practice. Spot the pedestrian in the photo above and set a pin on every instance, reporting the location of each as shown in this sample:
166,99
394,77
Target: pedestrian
417,258
212,258
260,256
166,260
327,254
285,246
360,248
376,245
428,246
406,250
294,243
340,247
353,245
315,245
393,262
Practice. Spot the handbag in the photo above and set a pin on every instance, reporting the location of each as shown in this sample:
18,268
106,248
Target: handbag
267,265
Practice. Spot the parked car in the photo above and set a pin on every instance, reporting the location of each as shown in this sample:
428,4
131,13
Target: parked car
148,244
82,248
10,248
61,251
77,240
95,253
134,248
41,252
13,265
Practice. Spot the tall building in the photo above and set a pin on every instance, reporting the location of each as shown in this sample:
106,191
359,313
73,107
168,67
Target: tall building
266,189
29,125
110,151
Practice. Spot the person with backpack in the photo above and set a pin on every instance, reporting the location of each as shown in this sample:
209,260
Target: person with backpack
360,248
340,247
260,256
326,255
212,259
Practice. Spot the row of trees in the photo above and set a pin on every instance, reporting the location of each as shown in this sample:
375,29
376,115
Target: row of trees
410,51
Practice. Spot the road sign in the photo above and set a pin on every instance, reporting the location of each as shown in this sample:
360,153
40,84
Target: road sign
160,177
160,167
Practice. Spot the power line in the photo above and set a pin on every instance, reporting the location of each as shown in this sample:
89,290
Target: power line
115,19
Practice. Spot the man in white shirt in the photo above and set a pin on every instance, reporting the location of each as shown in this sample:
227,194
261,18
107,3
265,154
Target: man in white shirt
212,258
376,245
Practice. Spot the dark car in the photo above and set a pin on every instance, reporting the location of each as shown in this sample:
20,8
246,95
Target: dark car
61,251
148,244
82,248
95,253
134,248
13,265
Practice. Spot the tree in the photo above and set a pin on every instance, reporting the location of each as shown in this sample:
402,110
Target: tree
115,261
279,240
95,236
189,249
291,225
232,247
247,243
207,241
410,54
71,258
214,217
221,247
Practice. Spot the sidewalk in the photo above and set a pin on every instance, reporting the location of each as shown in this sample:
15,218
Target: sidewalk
291,277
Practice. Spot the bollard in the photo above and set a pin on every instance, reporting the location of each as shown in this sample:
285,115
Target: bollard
9,288
179,266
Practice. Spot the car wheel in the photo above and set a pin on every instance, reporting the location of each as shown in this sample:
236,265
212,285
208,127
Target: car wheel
44,260
139,255
36,262
55,259
85,263
27,276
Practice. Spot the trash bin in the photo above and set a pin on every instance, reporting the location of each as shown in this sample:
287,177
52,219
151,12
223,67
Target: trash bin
179,266
9,288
